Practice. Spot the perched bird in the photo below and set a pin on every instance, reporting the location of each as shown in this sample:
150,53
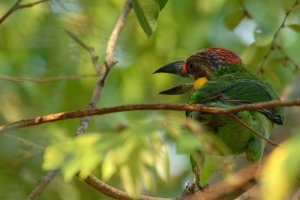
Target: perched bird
221,80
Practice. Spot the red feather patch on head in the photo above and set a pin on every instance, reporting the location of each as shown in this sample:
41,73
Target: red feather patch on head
218,57
224,55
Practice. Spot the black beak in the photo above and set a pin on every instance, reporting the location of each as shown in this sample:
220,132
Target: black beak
173,68
180,89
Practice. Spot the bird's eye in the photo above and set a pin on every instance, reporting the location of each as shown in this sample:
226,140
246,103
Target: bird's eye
192,67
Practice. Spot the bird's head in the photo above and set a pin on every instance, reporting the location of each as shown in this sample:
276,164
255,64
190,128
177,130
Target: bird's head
201,66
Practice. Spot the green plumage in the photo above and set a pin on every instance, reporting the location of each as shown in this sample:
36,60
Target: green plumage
234,85
229,84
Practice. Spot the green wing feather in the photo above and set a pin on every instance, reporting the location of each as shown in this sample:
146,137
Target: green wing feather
238,88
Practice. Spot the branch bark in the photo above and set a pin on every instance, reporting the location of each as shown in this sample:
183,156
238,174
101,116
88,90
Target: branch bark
113,192
139,107
241,179
244,178
274,39
108,64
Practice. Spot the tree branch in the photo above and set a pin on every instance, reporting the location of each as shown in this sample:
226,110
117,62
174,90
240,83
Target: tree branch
109,63
243,178
113,192
287,58
17,5
275,36
253,130
139,107
102,74
111,44
42,184
89,49
250,194
46,79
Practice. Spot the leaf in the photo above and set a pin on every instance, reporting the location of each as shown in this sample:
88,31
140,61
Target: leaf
162,3
295,27
130,180
281,170
81,154
161,155
233,19
109,166
147,12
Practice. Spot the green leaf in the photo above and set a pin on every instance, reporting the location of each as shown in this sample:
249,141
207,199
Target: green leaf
147,12
161,156
281,170
130,180
162,3
295,27
233,19
81,154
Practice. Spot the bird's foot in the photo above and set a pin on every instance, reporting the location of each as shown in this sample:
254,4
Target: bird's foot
193,188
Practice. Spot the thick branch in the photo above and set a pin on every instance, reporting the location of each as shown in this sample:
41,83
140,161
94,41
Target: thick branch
250,194
181,107
243,178
113,192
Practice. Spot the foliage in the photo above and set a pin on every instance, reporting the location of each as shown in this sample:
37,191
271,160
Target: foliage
147,13
282,170
123,148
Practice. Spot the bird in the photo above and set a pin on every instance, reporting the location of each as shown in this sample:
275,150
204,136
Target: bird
221,80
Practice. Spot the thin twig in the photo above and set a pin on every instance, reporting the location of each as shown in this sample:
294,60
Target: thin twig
46,79
112,41
151,107
42,184
287,58
91,179
109,63
105,70
275,36
17,5
253,130
243,178
26,142
89,49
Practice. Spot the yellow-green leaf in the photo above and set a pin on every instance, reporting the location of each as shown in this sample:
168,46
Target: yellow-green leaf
281,170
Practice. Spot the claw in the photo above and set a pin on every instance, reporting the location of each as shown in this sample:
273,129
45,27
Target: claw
193,188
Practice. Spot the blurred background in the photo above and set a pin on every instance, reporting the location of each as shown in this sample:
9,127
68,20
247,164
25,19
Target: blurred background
33,44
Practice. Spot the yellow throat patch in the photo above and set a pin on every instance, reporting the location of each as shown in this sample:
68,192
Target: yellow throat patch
199,83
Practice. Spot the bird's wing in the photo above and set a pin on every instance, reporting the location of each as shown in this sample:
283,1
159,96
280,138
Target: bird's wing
237,89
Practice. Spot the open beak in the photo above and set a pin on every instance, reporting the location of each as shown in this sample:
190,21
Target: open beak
180,89
175,68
